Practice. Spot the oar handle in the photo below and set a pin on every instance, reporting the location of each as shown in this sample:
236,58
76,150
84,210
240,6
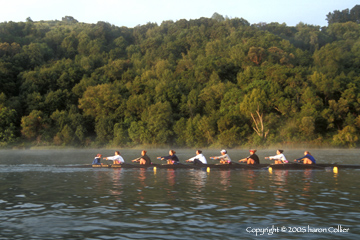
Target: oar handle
136,159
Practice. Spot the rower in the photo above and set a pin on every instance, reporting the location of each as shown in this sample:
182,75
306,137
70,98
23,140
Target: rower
97,160
279,158
252,159
306,159
144,159
224,158
117,159
171,159
198,159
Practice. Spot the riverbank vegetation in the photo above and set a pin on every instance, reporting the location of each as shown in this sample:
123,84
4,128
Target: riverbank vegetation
204,82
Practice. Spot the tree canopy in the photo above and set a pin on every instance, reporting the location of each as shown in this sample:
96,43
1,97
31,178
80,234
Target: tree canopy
204,82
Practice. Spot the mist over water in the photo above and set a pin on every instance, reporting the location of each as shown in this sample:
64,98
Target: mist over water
42,198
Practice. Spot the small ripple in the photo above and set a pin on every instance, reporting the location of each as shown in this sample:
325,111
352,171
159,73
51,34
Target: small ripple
232,209
29,205
58,205
259,191
20,195
205,206
158,205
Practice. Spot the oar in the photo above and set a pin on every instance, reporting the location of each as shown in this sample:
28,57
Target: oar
214,158
167,160
242,160
105,158
136,159
160,158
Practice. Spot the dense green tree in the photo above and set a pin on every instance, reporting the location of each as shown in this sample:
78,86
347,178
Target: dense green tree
218,17
34,126
347,137
7,125
179,129
121,134
158,120
69,46
37,54
68,127
344,15
204,82
102,100
104,129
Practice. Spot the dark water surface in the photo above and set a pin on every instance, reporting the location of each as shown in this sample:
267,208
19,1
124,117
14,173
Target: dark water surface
42,198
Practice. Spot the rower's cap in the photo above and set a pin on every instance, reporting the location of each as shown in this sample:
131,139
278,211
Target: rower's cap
98,155
223,151
252,150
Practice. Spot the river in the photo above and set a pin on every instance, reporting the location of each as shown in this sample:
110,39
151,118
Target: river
42,198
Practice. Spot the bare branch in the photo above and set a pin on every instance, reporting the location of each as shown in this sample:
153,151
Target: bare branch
259,124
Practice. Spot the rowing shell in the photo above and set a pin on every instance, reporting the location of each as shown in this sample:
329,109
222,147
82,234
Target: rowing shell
285,166
185,166
320,166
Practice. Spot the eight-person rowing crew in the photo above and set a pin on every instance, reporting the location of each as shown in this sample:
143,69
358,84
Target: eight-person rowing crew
201,159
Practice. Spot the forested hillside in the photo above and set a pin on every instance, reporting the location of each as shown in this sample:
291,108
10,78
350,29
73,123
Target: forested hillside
204,82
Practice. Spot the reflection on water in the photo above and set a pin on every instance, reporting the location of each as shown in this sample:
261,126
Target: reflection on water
306,182
197,183
42,199
225,179
279,179
117,182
